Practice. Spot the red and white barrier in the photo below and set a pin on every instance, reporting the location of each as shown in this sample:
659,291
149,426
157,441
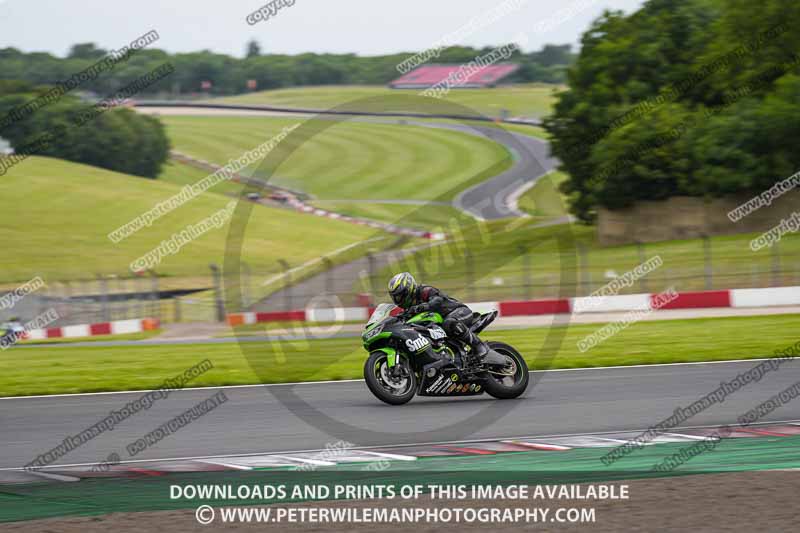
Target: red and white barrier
117,327
775,296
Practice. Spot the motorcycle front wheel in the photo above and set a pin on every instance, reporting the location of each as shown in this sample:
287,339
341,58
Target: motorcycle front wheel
384,385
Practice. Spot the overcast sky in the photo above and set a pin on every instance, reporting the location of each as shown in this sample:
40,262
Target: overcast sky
365,27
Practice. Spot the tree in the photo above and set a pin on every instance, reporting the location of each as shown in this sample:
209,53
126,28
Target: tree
85,51
253,49
117,139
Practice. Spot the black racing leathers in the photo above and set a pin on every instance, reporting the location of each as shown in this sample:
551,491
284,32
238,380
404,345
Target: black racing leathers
457,316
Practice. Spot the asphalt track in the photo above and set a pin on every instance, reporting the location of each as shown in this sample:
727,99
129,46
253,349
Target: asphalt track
284,418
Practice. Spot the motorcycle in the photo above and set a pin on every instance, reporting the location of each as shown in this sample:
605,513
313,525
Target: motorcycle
10,333
399,365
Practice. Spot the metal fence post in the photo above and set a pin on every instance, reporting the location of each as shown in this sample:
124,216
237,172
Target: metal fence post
583,262
287,287
103,298
141,292
470,275
776,265
526,271
66,302
709,269
122,294
328,265
372,275
643,280
177,315
246,286
421,268
219,306
155,302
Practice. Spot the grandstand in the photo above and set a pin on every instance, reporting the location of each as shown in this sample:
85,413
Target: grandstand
429,75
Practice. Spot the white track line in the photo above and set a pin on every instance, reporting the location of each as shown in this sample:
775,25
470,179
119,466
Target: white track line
56,477
689,437
327,382
229,465
315,462
392,456
795,422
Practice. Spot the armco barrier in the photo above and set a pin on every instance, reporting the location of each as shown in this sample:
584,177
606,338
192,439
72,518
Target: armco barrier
775,296
116,327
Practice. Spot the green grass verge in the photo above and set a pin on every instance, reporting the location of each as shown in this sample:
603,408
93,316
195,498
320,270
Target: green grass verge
422,216
529,100
50,370
62,213
544,199
351,160
182,174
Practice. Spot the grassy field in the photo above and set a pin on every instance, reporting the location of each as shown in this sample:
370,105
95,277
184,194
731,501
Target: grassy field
182,174
543,200
50,370
423,216
61,214
353,160
528,100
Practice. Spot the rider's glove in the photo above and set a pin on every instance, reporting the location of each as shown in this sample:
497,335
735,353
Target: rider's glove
415,309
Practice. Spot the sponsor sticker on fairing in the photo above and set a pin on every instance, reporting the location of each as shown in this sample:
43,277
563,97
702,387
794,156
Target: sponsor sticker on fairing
435,384
437,333
418,344
443,388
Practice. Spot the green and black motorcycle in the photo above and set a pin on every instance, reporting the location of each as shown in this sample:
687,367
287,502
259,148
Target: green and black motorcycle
400,362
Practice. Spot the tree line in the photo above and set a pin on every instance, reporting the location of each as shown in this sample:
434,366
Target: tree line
221,74
692,97
101,134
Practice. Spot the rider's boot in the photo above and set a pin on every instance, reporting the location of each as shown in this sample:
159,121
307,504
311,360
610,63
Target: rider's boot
478,348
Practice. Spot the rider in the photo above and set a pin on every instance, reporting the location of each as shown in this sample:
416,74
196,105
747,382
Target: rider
415,298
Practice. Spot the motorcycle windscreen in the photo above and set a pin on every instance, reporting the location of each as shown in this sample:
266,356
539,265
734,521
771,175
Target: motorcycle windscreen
380,312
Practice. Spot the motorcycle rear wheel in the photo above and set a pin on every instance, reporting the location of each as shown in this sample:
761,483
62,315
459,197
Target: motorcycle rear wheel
510,381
